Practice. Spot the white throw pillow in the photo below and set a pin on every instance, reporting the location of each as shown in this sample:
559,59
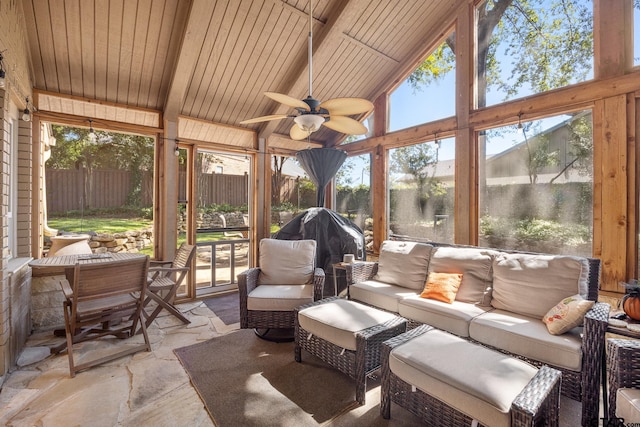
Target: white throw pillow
286,262
403,264
567,314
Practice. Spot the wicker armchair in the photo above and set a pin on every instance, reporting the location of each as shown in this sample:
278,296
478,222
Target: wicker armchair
583,386
287,278
623,360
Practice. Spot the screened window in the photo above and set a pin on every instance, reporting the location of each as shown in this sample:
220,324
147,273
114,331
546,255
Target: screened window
353,190
536,185
422,190
532,47
429,92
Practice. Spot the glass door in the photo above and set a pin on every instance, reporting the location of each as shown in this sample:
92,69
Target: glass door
221,230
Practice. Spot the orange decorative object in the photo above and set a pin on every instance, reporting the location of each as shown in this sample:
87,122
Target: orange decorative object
631,305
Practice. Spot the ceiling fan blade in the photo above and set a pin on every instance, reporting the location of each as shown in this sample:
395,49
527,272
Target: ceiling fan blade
287,100
347,106
297,134
345,125
264,119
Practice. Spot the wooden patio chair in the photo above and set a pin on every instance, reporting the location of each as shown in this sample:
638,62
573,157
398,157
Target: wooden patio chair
165,277
99,295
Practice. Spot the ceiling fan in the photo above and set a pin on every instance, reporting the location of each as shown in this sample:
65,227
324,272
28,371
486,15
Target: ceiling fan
311,113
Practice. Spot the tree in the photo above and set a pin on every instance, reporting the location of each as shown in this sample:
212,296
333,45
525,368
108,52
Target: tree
73,150
548,42
277,180
417,161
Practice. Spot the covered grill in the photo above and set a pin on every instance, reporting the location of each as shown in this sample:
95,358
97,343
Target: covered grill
335,236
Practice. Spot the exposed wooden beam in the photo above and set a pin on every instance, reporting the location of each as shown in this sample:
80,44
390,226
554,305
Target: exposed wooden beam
200,14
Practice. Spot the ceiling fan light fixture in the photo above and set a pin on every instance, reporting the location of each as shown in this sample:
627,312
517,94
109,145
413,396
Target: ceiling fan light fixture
309,122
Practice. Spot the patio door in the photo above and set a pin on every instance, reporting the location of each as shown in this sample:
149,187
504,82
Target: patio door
214,195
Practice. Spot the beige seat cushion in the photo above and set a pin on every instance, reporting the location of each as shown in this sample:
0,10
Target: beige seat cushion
339,320
532,284
454,317
528,337
286,262
380,294
403,264
477,381
279,297
475,266
628,405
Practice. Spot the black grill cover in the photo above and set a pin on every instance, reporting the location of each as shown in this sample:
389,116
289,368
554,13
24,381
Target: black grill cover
334,234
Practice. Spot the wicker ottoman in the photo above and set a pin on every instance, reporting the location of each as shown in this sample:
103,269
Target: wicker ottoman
347,335
446,380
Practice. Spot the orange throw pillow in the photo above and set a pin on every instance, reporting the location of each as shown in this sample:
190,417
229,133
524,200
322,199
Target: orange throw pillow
442,286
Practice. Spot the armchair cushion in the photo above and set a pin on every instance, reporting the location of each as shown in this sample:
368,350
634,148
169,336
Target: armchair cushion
286,262
403,264
279,297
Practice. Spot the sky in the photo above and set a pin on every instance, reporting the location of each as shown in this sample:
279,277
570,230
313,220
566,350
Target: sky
409,108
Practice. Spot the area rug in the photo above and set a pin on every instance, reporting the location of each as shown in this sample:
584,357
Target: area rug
246,381
226,307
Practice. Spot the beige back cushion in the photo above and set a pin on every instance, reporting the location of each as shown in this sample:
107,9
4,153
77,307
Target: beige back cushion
475,266
532,284
286,262
403,264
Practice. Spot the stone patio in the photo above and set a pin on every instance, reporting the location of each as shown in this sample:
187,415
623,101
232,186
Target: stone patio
143,389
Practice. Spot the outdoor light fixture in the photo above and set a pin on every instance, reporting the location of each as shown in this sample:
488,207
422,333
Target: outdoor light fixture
92,133
309,123
2,73
520,130
26,114
176,152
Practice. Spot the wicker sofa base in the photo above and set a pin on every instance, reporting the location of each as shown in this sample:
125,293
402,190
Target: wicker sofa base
538,404
356,364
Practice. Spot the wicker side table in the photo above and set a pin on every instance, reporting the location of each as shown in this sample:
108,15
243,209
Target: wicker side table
357,362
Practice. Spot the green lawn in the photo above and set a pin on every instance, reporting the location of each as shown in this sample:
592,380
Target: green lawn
99,224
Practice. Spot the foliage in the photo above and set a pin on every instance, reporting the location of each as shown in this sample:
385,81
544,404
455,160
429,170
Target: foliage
344,176
223,208
73,150
539,156
418,161
435,67
284,207
549,44
539,230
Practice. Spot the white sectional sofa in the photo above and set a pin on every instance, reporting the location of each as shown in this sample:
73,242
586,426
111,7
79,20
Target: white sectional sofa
501,301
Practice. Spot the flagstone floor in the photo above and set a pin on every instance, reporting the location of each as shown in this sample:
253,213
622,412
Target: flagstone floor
146,389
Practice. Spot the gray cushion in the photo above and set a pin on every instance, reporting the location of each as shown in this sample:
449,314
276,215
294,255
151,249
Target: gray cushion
403,264
279,297
475,266
452,318
528,337
380,294
479,382
339,320
286,262
532,284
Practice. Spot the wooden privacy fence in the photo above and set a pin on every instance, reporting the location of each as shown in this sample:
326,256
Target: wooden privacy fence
67,189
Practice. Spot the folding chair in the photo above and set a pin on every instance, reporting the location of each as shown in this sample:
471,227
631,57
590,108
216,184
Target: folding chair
98,295
165,277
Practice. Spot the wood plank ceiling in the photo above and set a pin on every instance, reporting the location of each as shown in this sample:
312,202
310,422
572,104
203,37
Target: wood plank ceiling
206,63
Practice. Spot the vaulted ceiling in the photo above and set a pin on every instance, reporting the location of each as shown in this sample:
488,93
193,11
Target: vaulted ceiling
206,64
